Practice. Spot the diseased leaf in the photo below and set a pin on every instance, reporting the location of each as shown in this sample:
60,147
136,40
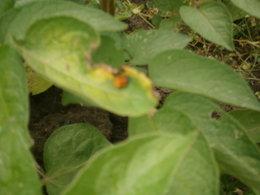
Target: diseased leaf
250,6
60,50
151,165
212,21
66,151
185,71
17,168
17,22
146,44
250,120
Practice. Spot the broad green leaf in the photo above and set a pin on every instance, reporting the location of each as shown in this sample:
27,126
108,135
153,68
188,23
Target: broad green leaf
36,83
108,53
17,168
235,152
250,6
170,23
19,3
13,93
60,50
151,165
5,5
235,11
167,119
66,151
250,120
156,19
141,124
183,113
167,5
118,38
146,44
5,22
185,71
212,21
23,17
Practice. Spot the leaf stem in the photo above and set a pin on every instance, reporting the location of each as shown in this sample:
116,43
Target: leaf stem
108,6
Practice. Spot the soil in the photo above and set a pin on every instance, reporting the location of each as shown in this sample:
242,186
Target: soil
47,114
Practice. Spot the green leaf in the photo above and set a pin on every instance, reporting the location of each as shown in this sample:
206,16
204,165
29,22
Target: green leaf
13,92
5,5
212,21
5,22
250,6
235,11
167,5
19,3
23,17
250,120
36,83
18,171
141,124
151,165
183,113
236,153
170,23
146,44
108,53
60,50
167,119
66,151
185,71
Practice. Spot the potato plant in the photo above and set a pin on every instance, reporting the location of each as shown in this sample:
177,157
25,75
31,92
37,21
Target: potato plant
180,147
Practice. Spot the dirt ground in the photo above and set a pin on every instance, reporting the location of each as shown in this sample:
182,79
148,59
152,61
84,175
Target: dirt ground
47,114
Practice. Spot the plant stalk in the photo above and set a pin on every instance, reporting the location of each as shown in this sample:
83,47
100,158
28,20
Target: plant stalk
108,6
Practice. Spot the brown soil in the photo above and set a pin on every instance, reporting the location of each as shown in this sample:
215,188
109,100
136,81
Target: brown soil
47,115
